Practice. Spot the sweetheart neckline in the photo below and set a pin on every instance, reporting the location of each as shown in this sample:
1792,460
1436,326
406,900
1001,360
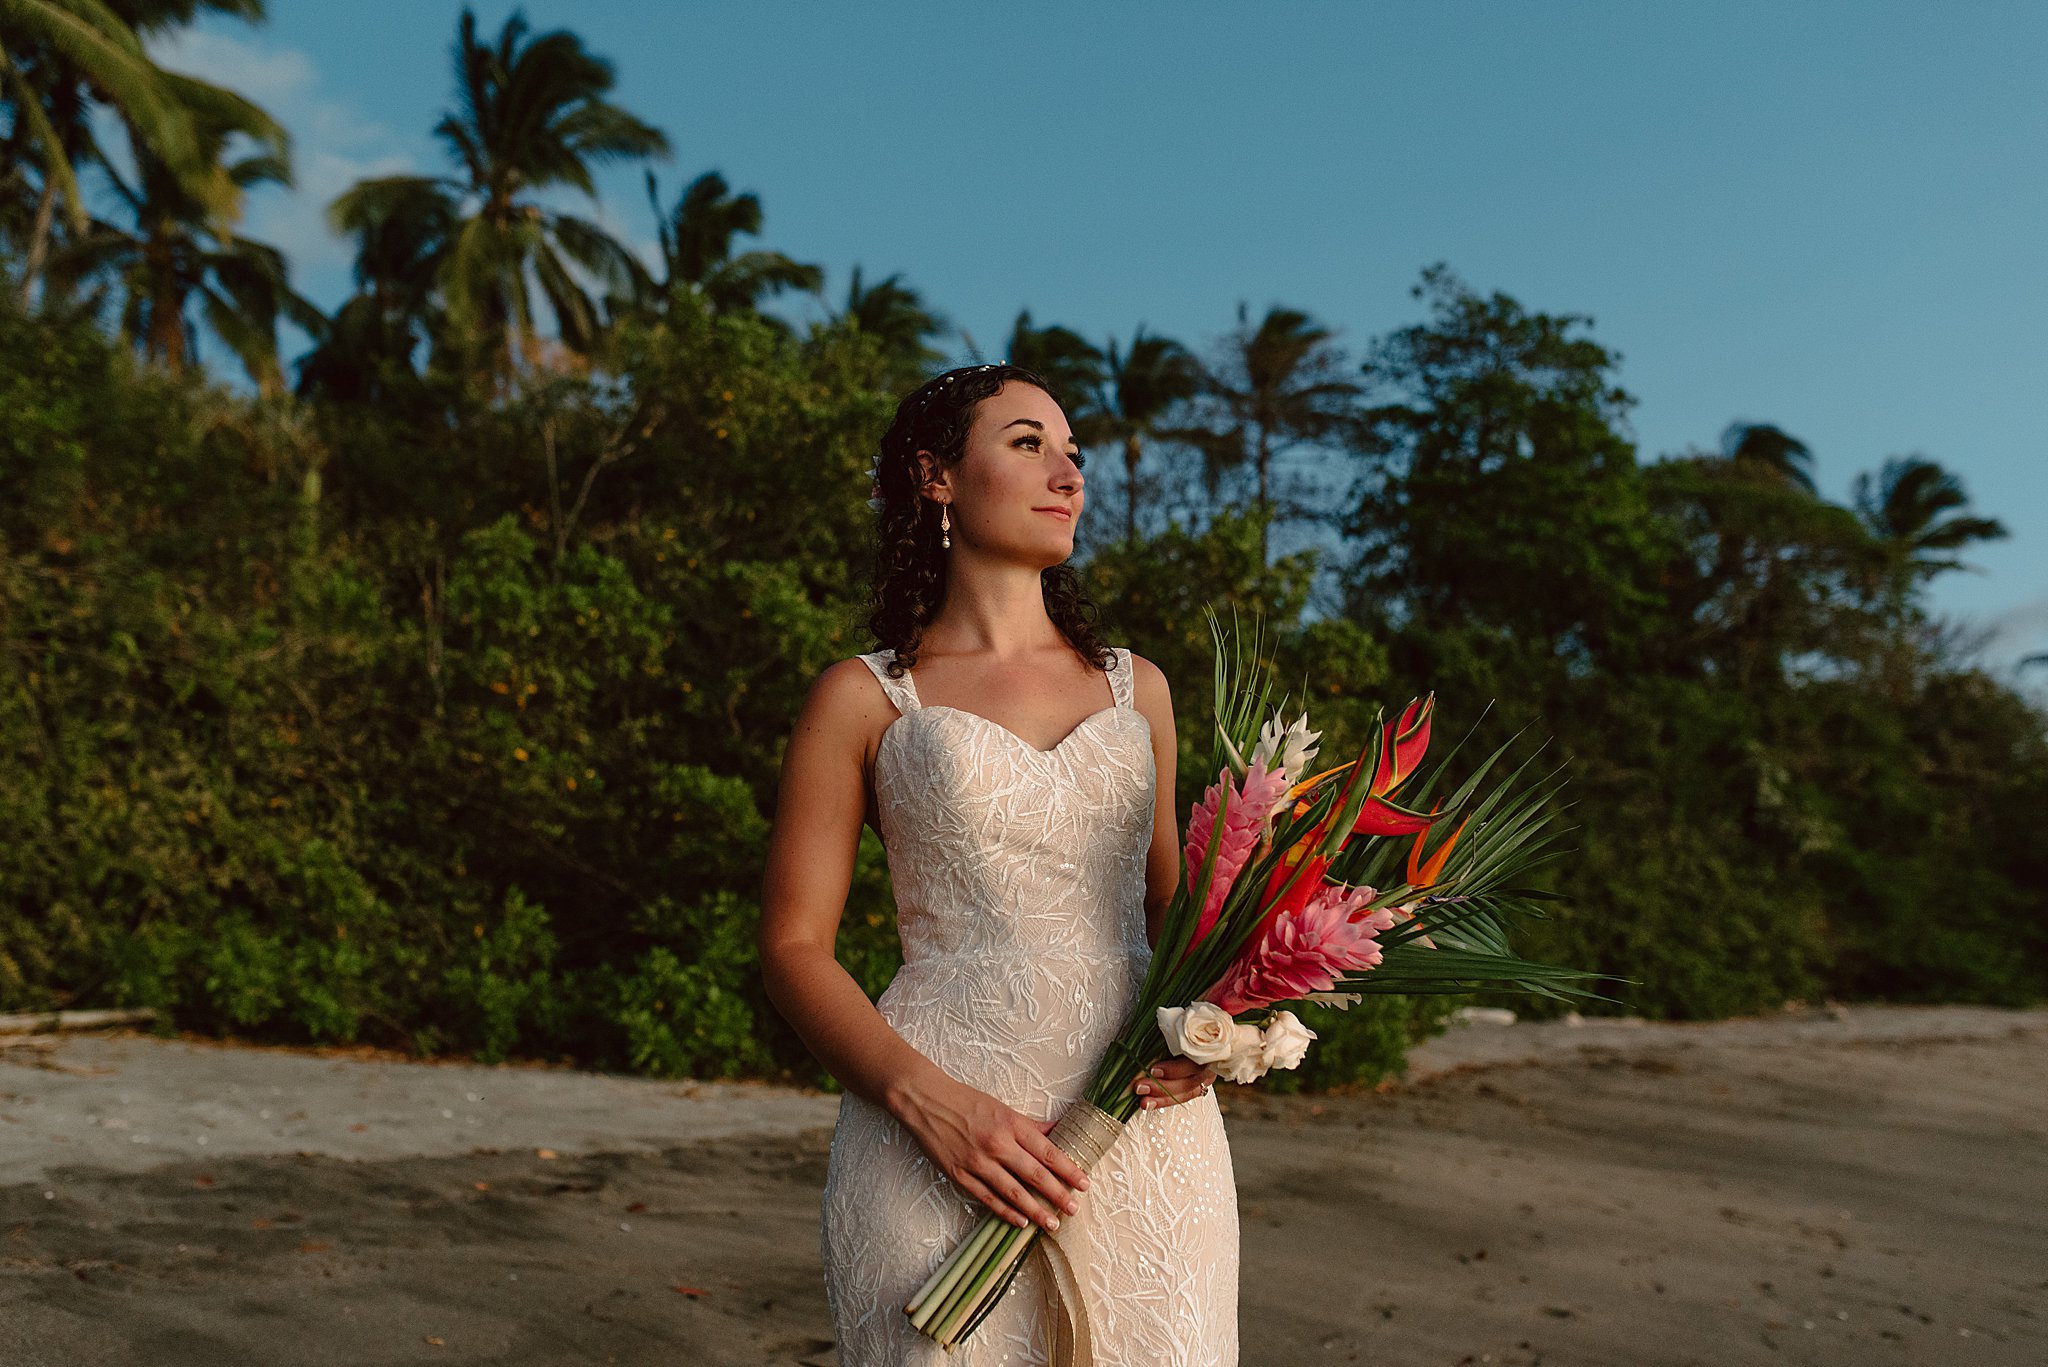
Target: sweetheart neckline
1078,727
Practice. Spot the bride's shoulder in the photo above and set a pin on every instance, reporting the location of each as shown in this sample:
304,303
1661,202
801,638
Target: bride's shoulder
1149,689
1143,671
847,689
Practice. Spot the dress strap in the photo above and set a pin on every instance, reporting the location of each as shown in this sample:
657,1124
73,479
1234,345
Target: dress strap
1120,678
902,692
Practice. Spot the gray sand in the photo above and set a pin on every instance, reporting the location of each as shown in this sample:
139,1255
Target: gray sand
1863,1186
131,1102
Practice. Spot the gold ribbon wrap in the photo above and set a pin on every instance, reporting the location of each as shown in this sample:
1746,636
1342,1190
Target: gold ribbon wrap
1084,1133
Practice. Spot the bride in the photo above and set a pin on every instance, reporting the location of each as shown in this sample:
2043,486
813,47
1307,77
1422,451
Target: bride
1020,775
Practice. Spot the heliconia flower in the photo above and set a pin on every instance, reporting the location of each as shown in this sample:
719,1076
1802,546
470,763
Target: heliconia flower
1252,803
1401,748
1402,745
1294,746
1381,817
1305,951
1406,740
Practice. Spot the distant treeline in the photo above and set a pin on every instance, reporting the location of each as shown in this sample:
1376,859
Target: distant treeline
436,697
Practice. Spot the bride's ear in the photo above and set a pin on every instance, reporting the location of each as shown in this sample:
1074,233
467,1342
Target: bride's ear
933,477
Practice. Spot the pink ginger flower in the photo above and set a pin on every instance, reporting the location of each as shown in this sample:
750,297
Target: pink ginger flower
1306,951
1252,802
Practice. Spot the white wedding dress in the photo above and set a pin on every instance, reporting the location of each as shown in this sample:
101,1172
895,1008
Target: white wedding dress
1019,877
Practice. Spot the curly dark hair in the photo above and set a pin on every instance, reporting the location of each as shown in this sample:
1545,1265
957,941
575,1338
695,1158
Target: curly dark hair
910,564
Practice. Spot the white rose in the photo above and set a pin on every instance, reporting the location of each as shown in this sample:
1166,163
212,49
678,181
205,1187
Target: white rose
1285,1040
1201,1031
1247,1059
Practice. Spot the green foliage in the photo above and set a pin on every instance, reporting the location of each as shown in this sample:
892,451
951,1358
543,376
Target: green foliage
456,726
1747,717
1681,824
449,782
1934,854
446,709
1362,1044
1159,588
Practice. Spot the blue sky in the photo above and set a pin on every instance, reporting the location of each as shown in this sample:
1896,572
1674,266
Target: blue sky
1826,216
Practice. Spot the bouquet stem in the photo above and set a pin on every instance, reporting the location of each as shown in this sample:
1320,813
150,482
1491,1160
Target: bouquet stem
937,1291
966,1286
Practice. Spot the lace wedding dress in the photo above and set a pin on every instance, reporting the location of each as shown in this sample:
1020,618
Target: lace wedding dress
1019,876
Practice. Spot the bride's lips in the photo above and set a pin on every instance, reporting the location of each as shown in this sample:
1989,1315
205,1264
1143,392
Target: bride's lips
1067,513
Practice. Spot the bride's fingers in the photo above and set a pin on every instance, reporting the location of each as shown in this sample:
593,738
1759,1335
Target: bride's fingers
1177,1085
1021,1206
1039,1144
1177,1067
982,1192
1049,1187
1174,1076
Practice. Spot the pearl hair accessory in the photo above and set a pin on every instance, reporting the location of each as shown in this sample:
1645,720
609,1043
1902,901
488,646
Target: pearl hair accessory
875,500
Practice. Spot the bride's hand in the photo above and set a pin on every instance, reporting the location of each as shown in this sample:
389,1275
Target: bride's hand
1172,1081
999,1156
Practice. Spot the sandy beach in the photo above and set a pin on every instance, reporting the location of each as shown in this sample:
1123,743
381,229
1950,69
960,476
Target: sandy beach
1863,1185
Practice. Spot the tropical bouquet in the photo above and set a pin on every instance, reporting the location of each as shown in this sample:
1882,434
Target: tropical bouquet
1298,887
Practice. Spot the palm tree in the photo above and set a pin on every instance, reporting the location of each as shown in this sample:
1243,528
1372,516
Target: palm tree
897,315
696,249
1072,366
1279,384
527,117
1140,389
48,130
59,57
1759,582
402,231
178,250
1762,446
1911,539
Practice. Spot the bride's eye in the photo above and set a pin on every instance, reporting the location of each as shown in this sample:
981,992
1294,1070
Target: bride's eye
1038,443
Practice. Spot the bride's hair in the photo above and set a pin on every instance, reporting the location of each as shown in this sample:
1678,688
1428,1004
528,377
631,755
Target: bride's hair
910,565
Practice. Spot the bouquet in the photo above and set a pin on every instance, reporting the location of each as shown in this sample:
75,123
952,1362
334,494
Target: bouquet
1296,888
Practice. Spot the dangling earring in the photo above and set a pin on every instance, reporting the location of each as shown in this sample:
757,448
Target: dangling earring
945,526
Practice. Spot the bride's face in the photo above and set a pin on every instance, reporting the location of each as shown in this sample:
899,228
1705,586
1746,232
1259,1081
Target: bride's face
1016,493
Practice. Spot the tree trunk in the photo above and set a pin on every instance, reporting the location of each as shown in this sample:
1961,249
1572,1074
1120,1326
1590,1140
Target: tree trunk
39,239
1265,504
433,605
167,329
1133,449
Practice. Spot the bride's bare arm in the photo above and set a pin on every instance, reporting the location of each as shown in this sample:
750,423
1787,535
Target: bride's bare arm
989,1149
1176,1079
1162,861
